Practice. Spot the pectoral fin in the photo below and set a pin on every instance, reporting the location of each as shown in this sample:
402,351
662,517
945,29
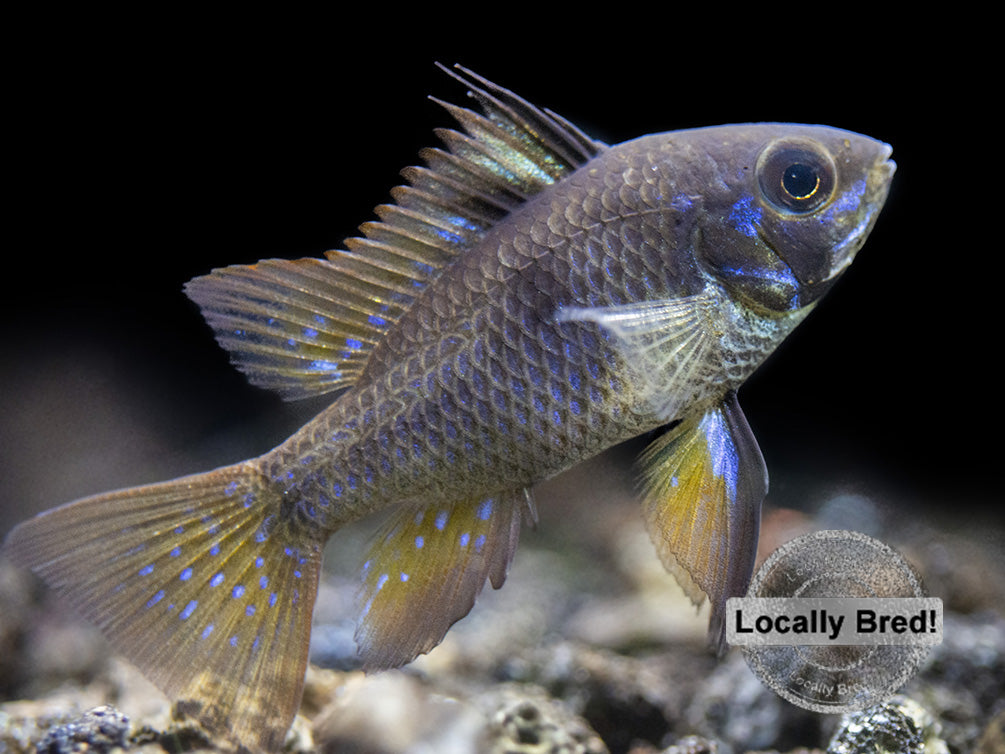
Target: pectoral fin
425,570
666,345
704,482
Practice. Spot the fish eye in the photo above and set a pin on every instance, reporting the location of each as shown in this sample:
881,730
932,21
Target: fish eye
796,176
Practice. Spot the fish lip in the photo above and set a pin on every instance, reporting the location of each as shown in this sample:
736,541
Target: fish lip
877,188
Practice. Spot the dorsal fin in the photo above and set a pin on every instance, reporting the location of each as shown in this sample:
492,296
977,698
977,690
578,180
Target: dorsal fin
306,327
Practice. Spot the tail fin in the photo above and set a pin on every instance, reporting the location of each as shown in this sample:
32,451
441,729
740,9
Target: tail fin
195,583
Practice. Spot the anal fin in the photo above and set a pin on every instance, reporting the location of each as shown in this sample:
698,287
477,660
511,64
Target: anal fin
704,482
425,570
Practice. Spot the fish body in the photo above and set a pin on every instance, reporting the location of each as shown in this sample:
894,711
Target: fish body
532,298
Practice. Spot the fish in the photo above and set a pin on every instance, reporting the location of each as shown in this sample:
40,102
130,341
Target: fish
530,298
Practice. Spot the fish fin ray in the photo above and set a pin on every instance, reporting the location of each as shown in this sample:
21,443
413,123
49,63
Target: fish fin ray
189,580
267,315
703,484
425,570
300,327
665,344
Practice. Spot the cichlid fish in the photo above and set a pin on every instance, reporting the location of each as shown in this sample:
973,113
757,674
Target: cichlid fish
532,298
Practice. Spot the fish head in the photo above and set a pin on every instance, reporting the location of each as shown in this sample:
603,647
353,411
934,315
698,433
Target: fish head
796,205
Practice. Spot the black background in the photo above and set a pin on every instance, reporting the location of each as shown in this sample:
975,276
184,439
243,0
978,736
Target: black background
146,151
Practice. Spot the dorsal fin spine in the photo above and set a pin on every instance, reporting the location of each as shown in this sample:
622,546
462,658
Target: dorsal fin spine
512,145
463,177
555,132
306,327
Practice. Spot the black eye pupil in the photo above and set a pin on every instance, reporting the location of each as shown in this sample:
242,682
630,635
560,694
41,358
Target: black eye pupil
800,181
797,176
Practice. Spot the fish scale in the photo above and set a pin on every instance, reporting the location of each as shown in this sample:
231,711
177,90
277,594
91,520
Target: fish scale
532,298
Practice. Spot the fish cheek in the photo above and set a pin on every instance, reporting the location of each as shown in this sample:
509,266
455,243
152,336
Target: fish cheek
803,243
732,250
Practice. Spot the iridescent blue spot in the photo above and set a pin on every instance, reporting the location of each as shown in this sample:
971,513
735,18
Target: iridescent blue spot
441,520
404,576
156,598
255,643
263,582
423,269
381,580
745,217
465,538
179,530
207,631
323,365
175,552
682,202
230,489
419,542
189,609
485,510
249,610
310,332
214,550
237,591
147,570
354,344
216,580
185,575
259,561
272,599
376,321
233,641
290,552
479,542
725,460
297,574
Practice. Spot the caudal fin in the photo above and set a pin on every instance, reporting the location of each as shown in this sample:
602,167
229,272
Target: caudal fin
194,582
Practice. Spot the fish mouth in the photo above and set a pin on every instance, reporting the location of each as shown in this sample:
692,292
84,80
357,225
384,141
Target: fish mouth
877,188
